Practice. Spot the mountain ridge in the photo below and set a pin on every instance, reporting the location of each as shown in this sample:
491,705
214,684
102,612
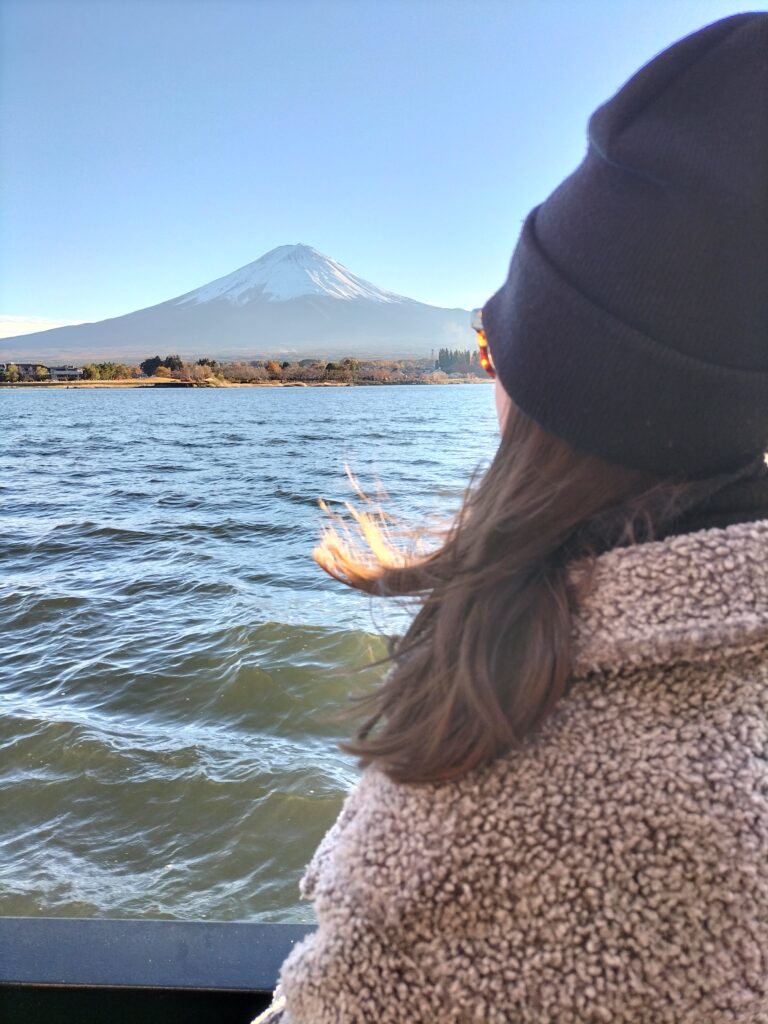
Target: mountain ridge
293,300
289,272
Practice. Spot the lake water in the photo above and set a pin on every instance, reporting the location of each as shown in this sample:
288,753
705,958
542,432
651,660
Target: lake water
169,652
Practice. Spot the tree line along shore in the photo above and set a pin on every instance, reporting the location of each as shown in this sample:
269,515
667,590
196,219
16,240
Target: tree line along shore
451,365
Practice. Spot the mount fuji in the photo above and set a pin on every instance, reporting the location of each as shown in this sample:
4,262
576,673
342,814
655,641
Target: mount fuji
292,302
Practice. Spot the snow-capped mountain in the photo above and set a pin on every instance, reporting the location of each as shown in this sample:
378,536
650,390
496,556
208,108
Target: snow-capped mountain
293,302
289,272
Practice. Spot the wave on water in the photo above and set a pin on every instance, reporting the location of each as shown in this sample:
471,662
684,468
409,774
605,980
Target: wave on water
194,785
170,655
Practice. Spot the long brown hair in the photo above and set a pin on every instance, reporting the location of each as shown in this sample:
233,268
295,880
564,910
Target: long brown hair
488,653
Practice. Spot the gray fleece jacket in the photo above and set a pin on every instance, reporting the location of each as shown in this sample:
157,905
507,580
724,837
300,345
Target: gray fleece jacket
615,870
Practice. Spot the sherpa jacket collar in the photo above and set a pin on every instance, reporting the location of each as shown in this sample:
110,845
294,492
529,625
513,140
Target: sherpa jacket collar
687,598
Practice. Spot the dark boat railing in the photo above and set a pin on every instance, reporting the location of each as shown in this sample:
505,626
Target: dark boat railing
83,970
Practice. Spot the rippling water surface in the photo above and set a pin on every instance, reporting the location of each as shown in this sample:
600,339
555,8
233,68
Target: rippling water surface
169,652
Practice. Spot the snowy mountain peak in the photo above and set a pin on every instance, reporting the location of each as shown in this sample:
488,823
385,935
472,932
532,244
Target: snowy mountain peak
289,272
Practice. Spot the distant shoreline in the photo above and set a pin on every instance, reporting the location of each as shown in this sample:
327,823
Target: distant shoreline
163,382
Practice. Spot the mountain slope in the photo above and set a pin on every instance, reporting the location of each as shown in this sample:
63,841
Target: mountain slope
292,302
289,272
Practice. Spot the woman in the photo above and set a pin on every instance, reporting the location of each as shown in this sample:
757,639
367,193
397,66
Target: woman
564,811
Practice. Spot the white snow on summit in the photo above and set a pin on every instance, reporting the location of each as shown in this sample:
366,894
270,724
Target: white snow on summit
288,272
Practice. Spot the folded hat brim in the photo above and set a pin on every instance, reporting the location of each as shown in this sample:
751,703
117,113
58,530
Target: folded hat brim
630,399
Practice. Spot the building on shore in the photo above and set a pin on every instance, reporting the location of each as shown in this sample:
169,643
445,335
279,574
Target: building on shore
28,371
65,372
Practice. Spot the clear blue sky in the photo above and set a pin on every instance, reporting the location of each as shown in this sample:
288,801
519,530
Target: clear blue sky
149,146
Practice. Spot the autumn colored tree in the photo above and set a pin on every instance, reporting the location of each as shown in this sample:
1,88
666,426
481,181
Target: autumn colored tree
106,371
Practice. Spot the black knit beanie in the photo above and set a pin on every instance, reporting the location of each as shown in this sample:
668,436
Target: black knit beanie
634,320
